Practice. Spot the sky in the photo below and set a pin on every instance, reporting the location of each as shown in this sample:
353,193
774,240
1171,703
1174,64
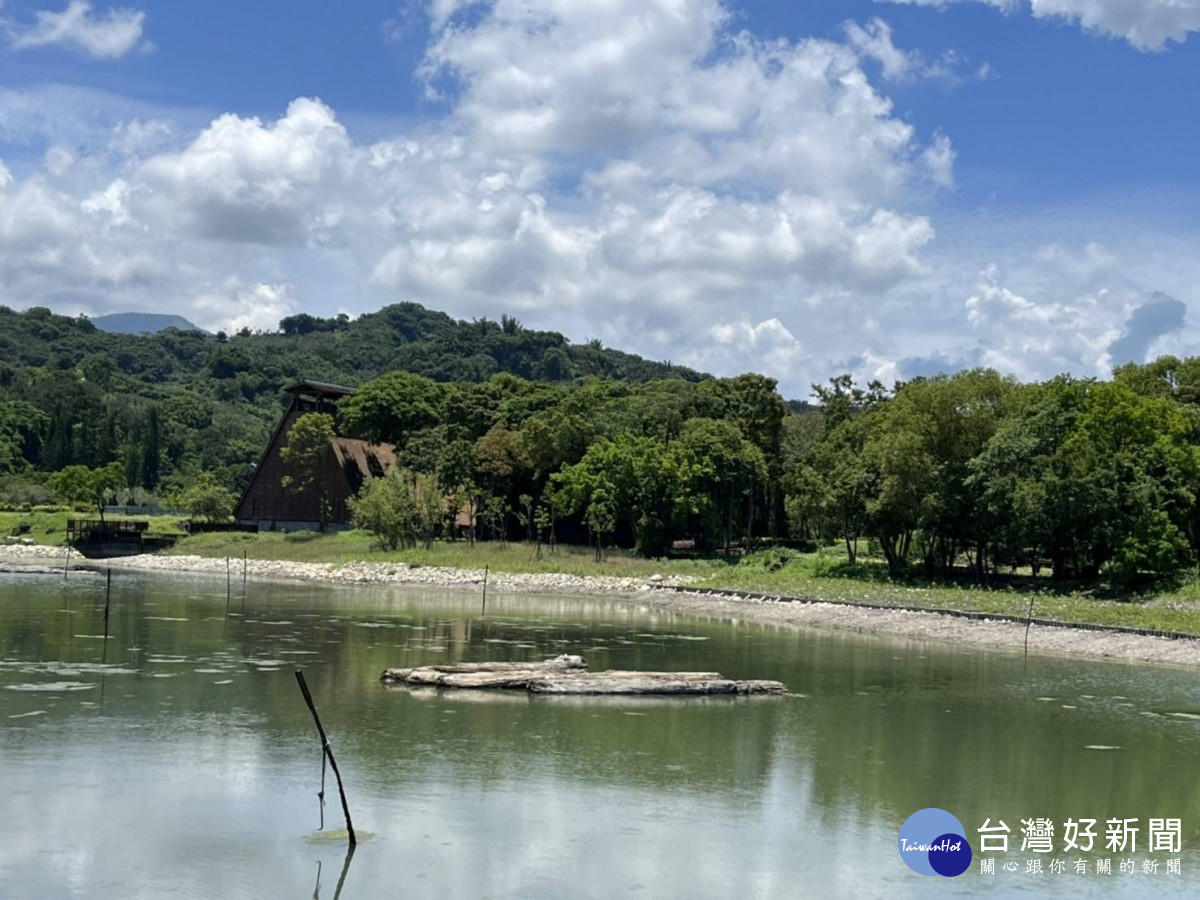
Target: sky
890,188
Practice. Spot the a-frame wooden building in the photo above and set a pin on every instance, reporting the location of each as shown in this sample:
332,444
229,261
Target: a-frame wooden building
348,464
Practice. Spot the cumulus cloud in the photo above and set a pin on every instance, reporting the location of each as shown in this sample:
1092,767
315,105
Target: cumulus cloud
621,169
233,305
633,170
1063,310
939,158
873,40
110,35
1145,24
1158,317
740,345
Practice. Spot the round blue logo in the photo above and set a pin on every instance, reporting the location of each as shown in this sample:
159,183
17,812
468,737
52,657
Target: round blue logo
933,842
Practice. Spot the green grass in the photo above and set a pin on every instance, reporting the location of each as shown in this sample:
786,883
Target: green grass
825,575
829,576
356,546
51,527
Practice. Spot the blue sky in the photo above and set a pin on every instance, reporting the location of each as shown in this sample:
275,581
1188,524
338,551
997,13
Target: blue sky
890,188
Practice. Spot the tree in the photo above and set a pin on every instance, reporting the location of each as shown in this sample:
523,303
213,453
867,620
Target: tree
21,427
77,485
390,408
725,473
753,404
501,468
206,499
304,455
401,509
495,514
918,454
632,479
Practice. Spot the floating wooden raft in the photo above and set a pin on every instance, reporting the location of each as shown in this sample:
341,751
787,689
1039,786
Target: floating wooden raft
569,675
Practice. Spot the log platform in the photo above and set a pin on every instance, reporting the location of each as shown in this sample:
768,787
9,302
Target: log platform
569,675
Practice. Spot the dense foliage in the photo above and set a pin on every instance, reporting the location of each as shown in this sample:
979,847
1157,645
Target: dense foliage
971,472
542,439
1080,476
171,405
644,464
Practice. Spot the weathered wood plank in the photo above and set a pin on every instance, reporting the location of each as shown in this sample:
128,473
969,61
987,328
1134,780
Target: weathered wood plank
426,674
600,683
568,675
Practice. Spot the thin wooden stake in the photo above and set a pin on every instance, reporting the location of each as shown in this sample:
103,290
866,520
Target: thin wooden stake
485,577
228,592
329,754
243,570
107,598
67,564
1028,623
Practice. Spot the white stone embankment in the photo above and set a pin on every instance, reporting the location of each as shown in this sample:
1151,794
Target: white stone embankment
646,592
356,573
934,626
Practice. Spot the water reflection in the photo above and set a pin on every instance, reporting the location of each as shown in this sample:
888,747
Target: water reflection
195,776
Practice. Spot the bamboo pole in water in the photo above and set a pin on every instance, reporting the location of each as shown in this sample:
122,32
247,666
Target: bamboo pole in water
107,598
67,564
329,755
485,577
1028,623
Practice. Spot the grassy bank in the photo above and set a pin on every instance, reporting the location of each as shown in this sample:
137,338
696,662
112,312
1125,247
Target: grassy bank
826,575
356,546
51,527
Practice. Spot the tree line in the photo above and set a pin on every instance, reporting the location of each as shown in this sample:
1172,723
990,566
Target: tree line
172,405
969,472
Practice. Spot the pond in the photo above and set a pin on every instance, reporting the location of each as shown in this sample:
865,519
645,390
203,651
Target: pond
178,758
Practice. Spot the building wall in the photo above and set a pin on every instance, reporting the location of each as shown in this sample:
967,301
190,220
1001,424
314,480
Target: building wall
267,499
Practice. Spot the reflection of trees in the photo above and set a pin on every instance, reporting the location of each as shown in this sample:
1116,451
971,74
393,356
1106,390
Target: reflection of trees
871,741
965,732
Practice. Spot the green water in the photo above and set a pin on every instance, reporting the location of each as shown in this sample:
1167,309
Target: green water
186,764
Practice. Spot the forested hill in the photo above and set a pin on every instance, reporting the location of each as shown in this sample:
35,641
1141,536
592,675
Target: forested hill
175,400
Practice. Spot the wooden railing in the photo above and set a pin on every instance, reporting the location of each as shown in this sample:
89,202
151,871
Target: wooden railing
79,527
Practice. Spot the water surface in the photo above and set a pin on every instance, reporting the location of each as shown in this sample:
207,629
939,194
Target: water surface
178,759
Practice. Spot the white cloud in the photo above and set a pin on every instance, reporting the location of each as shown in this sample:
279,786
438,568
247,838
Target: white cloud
633,170
1146,24
741,346
112,201
874,41
110,35
59,159
6,177
234,306
621,168
939,159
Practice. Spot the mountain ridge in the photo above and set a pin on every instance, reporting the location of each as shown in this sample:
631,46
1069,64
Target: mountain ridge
141,322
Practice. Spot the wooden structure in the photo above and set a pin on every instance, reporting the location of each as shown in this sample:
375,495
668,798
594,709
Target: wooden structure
99,538
80,528
569,675
349,463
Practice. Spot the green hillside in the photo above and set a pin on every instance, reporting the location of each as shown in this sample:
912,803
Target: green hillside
184,401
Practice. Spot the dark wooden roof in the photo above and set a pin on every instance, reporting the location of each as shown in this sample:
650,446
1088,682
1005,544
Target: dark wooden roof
320,388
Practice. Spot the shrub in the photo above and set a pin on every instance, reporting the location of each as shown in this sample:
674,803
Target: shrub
772,560
401,509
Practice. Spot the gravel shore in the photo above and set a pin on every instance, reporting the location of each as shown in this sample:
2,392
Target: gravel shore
898,623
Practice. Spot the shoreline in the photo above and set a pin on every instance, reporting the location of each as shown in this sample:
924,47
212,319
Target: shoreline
1005,635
